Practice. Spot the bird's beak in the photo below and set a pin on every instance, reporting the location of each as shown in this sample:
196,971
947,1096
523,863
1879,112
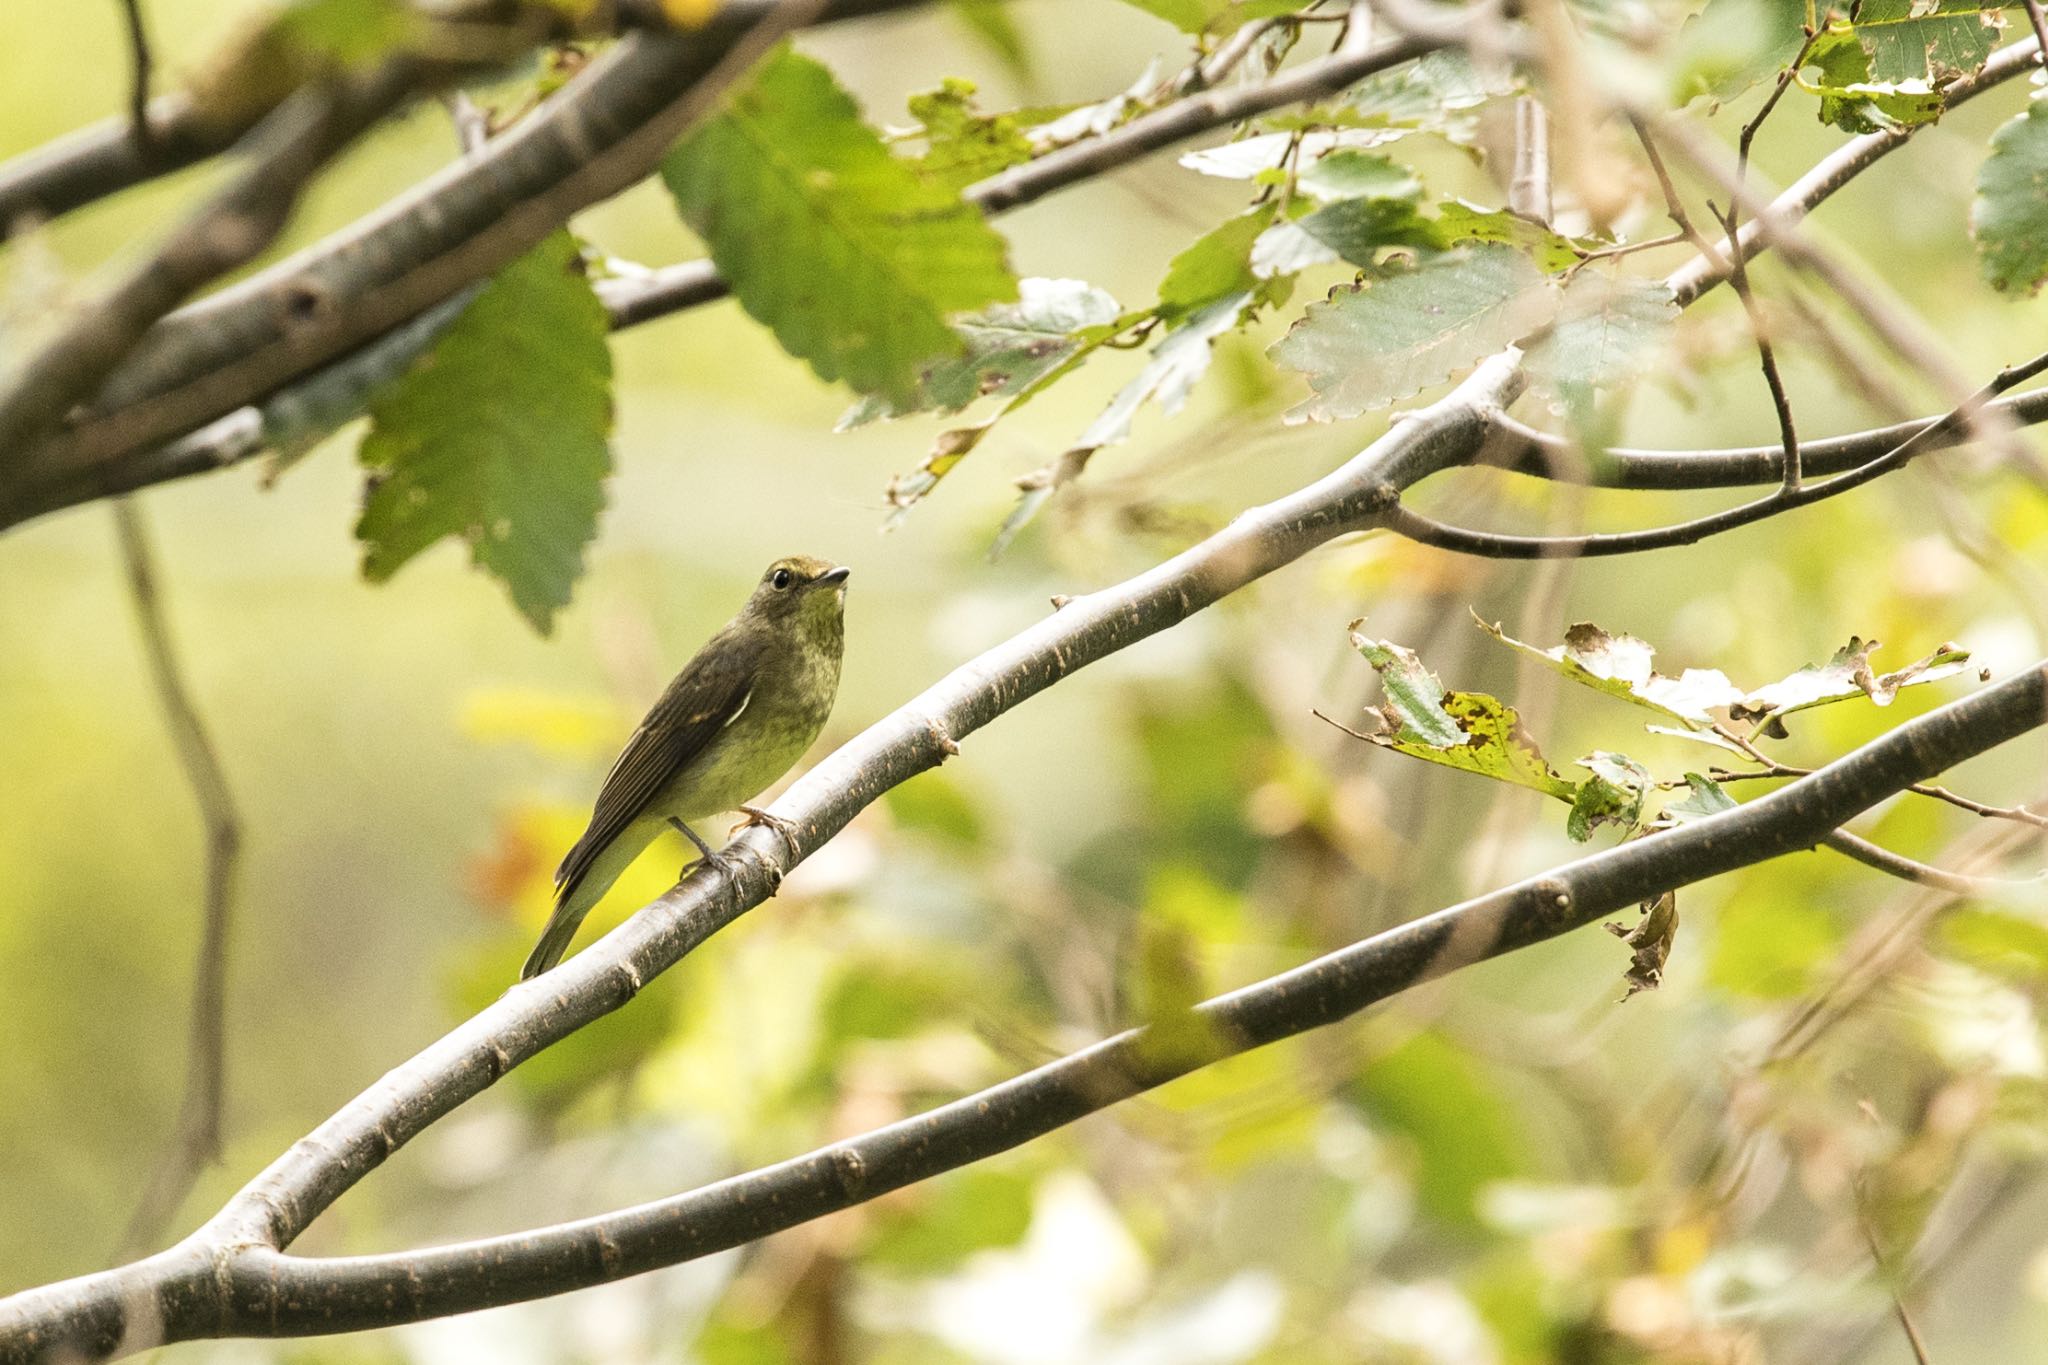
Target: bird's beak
836,576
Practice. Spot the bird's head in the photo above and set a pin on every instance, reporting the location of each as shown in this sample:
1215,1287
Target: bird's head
803,591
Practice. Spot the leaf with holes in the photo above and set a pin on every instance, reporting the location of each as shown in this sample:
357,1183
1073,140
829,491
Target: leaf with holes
962,144
850,255
1470,731
1915,40
2010,214
1613,795
1620,666
1848,674
1368,346
498,435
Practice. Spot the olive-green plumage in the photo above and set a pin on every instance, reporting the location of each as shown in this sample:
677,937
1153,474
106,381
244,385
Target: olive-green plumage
735,719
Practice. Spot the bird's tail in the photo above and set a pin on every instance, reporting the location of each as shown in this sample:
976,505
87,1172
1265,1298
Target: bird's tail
575,898
554,941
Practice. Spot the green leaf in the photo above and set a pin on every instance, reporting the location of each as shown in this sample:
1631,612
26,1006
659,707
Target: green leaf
1613,795
1354,230
499,435
1216,266
1916,40
1458,221
1179,360
1620,666
2010,214
1262,156
1368,346
851,256
962,144
1352,174
1610,329
1704,796
1848,674
1008,348
1469,731
1852,99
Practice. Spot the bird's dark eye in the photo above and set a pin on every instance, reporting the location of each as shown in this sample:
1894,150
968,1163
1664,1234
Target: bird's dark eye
781,578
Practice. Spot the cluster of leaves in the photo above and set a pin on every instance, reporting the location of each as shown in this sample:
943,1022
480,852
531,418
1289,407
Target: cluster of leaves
1478,733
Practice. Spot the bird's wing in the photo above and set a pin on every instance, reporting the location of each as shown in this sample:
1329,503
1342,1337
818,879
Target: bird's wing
706,696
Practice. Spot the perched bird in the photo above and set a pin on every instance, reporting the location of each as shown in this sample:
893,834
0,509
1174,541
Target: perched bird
735,719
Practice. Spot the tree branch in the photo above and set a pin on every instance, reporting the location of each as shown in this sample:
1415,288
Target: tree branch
220,1283
196,1141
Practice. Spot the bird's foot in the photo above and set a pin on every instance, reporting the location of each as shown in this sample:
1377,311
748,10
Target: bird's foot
756,816
706,855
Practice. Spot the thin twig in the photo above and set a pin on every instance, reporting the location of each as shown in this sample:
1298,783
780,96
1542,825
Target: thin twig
1491,545
1738,280
139,75
196,1140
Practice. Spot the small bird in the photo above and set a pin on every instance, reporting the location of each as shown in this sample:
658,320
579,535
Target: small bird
735,719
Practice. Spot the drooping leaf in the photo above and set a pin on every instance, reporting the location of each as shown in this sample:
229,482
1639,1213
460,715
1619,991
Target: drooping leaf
1215,267
1368,346
962,144
2010,214
1649,943
1008,347
499,435
847,253
1470,731
1609,330
1848,674
1620,666
1179,360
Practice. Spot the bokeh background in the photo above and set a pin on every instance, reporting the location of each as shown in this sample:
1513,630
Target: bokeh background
1510,1166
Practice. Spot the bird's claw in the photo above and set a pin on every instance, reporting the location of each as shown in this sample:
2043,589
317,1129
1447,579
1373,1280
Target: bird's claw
787,829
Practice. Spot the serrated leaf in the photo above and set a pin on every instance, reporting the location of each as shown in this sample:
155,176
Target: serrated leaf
1215,267
1848,674
1609,329
1613,795
498,435
1354,230
1008,348
1458,221
962,144
1470,731
1918,40
1368,346
847,253
1621,666
2010,214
